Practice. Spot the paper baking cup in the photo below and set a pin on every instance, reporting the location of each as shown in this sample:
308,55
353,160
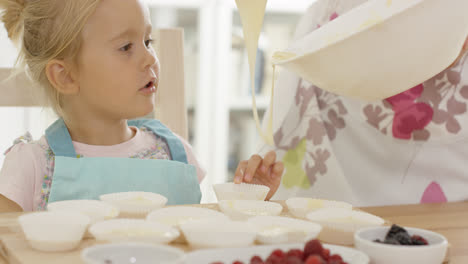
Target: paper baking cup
96,210
300,207
54,231
340,224
133,230
278,229
242,191
244,209
135,204
175,216
212,233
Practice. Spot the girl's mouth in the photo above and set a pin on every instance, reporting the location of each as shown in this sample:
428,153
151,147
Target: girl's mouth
149,88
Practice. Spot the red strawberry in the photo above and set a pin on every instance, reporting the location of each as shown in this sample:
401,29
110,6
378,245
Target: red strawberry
291,260
296,252
273,259
279,253
256,260
315,259
325,253
313,247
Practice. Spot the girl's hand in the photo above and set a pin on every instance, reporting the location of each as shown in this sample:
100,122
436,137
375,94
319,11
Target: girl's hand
257,170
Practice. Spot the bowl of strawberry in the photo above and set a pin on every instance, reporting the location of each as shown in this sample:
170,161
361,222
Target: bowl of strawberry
313,252
396,244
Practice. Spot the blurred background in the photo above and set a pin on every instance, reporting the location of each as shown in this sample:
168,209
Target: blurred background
218,93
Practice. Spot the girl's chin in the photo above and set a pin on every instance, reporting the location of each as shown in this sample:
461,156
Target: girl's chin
143,113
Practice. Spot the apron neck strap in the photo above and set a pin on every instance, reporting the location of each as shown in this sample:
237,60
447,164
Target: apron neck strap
175,144
59,139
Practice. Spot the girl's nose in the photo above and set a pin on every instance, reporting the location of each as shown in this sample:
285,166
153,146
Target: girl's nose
150,58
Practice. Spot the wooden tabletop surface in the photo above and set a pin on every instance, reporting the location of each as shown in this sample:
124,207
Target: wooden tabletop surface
449,219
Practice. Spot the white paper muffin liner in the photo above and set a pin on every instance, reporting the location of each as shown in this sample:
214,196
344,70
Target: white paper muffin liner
135,204
340,224
96,210
278,229
244,209
212,233
54,231
177,215
242,191
133,230
301,206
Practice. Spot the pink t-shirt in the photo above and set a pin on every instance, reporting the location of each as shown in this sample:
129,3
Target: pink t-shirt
27,171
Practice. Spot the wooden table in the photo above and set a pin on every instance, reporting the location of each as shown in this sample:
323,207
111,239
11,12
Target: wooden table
449,219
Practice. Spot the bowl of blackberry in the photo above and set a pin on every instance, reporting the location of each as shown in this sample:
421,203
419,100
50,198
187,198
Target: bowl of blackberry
396,244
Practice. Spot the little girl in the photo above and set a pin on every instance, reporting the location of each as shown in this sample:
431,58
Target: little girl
95,61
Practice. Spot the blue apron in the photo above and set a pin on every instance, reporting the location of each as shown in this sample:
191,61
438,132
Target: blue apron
88,178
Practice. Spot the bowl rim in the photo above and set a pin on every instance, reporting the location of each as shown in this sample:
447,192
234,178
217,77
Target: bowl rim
292,199
241,184
366,6
85,252
311,224
243,227
156,215
350,212
102,207
250,202
238,205
83,219
110,197
97,227
358,238
98,203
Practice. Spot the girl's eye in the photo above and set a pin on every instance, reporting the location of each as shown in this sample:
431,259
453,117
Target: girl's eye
126,47
148,42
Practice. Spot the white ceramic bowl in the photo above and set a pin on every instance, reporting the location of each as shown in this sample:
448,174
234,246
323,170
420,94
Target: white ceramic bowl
340,224
381,48
54,231
134,230
279,230
241,191
379,253
135,204
131,253
244,209
177,215
96,210
212,233
301,206
230,255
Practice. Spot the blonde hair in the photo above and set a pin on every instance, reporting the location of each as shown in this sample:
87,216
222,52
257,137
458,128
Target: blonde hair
45,30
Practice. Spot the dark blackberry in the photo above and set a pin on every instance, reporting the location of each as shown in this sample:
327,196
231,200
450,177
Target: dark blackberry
394,230
403,239
391,241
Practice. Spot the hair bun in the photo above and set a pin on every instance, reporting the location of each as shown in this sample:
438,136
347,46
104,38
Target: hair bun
12,17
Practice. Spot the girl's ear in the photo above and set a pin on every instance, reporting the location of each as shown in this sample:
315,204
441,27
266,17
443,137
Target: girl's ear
61,77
